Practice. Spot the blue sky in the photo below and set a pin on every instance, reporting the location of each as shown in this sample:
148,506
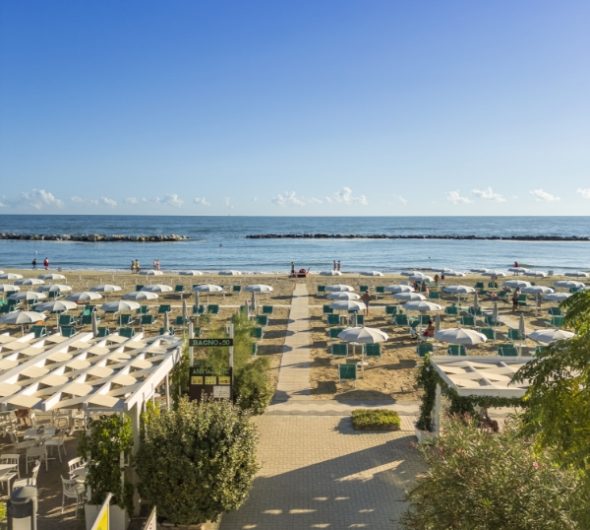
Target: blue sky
331,107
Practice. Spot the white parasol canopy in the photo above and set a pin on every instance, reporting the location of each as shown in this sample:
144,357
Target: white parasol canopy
28,296
569,284
331,273
420,277
106,288
498,274
22,317
208,288
9,288
56,306
190,273
577,274
140,296
10,276
409,297
548,335
120,306
460,336
517,284
348,305
343,295
372,273
52,276
84,296
556,297
363,335
458,289
537,289
29,281
339,287
158,288
258,288
398,288
536,274
422,306
55,288
151,272
230,273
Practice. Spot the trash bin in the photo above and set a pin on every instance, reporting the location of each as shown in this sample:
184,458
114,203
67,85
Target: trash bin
22,509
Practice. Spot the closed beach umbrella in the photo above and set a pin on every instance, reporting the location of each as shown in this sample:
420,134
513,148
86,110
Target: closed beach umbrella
537,289
517,284
94,321
409,297
190,273
343,295
157,288
84,297
569,284
475,300
140,296
521,327
460,336
151,272
257,288
29,281
120,306
548,336
422,306
437,322
339,287
22,317
106,288
10,276
399,288
363,335
56,306
184,310
28,296
348,305
495,312
556,297
166,321
52,276
9,288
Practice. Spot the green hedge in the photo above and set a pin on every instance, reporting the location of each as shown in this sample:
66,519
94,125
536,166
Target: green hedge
375,420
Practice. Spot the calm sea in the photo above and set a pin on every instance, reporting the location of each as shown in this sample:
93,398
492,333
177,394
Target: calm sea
218,243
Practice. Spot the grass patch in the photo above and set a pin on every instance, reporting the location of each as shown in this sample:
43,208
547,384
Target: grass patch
375,420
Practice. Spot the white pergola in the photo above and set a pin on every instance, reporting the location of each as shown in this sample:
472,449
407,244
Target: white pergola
478,376
111,373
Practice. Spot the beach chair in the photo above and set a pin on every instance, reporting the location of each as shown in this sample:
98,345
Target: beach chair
261,320
522,300
179,289
126,332
327,309
180,320
479,286
237,289
347,372
125,320
492,285
391,310
147,320
434,295
380,289
514,334
423,348
139,287
373,350
213,309
66,320
39,331
490,333
333,319
359,319
143,309
103,331
456,349
164,308
85,320
339,350
475,311
334,332
467,320
424,320
267,310
401,320
321,288
198,310
452,310
490,321
507,350
364,288
67,331
557,321
554,311
256,332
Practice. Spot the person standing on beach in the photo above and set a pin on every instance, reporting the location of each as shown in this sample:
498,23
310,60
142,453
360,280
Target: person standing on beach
515,299
366,298
46,263
34,263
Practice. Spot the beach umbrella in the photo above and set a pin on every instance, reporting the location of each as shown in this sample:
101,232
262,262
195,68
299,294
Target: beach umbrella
409,297
190,273
208,288
536,274
521,327
52,276
537,289
412,273
330,273
106,288
151,272
94,321
56,306
399,288
343,295
556,297
55,288
569,284
497,274
372,273
577,274
339,287
548,336
120,306
257,288
29,281
166,321
458,289
10,276
475,301
460,336
28,296
481,271
9,288
495,312
517,284
22,318
140,296
348,305
363,335
451,272
421,278
1,272
84,297
518,270
184,311
422,306
230,273
158,288
437,322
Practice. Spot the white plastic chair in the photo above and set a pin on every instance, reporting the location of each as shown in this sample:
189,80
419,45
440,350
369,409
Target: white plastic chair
29,481
75,463
72,489
37,452
12,459
57,441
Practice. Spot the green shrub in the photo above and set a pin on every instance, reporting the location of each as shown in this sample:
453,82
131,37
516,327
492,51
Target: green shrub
375,420
482,481
197,461
252,387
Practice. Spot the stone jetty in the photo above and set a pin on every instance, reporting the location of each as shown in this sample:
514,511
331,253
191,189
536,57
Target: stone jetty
96,238
420,236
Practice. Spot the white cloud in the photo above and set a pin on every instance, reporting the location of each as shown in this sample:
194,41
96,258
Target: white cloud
543,196
40,199
228,203
131,200
456,198
171,199
201,201
345,196
584,192
289,198
77,199
489,194
402,200
107,201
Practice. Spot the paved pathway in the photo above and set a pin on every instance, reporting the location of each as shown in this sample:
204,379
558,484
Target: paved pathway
316,472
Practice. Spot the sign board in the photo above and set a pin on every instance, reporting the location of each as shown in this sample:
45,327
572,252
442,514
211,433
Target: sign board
151,523
103,518
221,392
204,382
211,342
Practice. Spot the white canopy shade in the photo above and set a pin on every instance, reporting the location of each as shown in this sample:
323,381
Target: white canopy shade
536,274
339,287
372,273
84,296
190,273
140,296
517,284
9,288
460,336
28,296
22,317
10,276
422,306
412,273
331,273
120,306
556,297
548,335
458,289
29,281
348,305
537,289
151,272
399,288
569,284
230,273
363,335
106,288
258,288
409,297
208,288
55,288
56,306
498,274
451,272
577,274
518,269
158,288
343,295
52,276
480,270
421,278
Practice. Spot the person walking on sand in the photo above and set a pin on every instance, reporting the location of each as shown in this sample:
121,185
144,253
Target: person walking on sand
515,299
46,263
366,298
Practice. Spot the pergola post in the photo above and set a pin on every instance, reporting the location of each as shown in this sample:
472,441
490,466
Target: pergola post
168,392
436,410
135,416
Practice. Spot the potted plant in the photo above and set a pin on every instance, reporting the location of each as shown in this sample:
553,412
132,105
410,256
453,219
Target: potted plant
427,380
107,447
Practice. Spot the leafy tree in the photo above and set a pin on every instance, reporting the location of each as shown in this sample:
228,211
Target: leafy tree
480,481
197,461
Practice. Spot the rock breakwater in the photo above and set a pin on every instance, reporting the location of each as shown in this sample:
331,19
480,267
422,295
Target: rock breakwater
420,236
96,238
